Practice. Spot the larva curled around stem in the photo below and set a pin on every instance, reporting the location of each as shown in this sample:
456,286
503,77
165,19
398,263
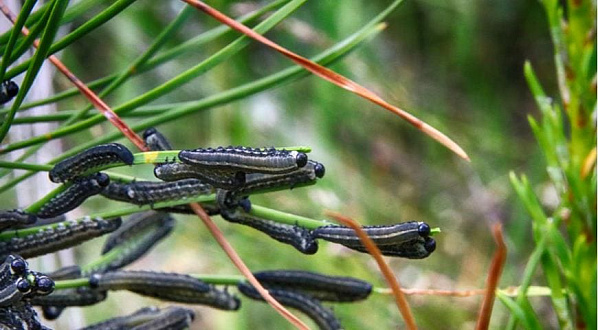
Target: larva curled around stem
8,90
54,238
321,315
245,159
172,317
74,195
148,192
14,218
86,161
224,179
319,286
298,237
381,235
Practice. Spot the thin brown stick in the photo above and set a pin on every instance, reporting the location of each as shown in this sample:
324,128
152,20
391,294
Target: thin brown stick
448,293
135,139
88,93
334,78
496,267
400,299
243,268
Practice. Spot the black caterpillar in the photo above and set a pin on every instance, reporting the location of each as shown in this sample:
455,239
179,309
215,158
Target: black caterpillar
323,317
166,286
148,192
321,287
74,195
14,218
245,159
298,237
381,235
90,159
57,237
150,318
225,179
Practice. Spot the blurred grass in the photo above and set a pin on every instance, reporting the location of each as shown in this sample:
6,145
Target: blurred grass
457,65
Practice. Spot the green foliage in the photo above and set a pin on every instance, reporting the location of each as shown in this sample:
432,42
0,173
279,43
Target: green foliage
568,141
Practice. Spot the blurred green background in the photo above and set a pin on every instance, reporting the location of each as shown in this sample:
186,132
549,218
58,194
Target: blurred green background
455,64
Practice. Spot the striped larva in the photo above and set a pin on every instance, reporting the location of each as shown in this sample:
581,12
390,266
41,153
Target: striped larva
298,237
261,183
166,286
13,218
148,192
381,235
137,223
172,317
70,297
224,179
220,299
155,141
321,315
55,238
244,159
8,90
20,315
138,245
12,267
147,281
74,195
321,287
90,159
14,292
418,248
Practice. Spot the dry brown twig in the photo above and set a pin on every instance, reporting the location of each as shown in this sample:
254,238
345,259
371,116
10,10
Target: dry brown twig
494,273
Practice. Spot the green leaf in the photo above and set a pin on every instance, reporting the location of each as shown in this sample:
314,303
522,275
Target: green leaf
58,8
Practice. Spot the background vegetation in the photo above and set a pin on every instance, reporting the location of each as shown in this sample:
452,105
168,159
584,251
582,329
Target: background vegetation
457,65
